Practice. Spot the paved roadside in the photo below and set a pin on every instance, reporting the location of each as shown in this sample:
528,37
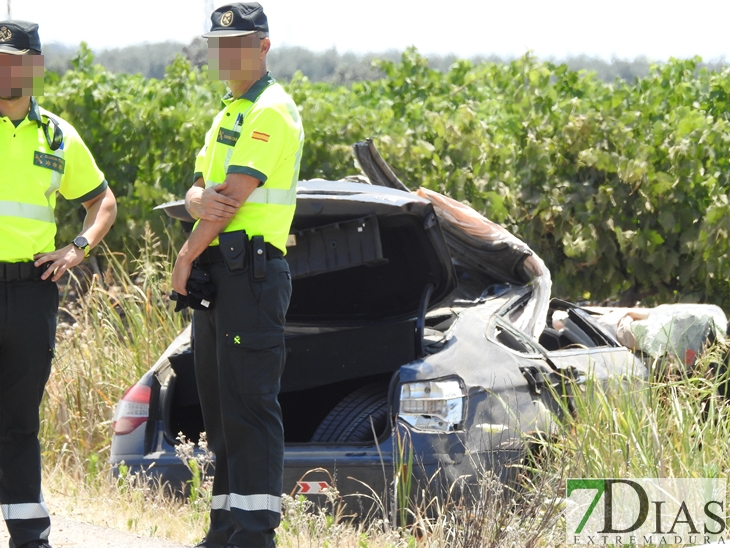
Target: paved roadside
69,533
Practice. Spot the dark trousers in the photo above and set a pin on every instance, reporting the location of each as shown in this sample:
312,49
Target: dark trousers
239,358
27,339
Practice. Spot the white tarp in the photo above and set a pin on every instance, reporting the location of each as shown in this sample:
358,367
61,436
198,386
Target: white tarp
675,330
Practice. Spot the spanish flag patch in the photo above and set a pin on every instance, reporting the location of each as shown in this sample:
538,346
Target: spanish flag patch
260,136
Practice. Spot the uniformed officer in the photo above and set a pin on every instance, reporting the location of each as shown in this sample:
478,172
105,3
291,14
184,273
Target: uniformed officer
40,154
244,195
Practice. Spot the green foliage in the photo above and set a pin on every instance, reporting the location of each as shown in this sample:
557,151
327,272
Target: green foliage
144,134
621,187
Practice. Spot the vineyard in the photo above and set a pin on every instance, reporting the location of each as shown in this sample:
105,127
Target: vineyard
620,187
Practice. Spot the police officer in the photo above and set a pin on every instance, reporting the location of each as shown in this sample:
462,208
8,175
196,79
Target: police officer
244,195
40,154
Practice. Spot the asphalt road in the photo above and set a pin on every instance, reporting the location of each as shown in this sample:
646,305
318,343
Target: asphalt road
68,533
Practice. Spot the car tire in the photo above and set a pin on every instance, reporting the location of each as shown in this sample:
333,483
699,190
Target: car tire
350,420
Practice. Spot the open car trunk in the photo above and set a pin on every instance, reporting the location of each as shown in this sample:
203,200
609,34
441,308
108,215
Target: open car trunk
367,264
323,368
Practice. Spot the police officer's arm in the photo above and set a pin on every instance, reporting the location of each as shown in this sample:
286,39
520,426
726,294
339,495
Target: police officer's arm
210,204
101,211
237,187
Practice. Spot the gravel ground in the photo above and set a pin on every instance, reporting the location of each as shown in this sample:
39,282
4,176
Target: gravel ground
67,533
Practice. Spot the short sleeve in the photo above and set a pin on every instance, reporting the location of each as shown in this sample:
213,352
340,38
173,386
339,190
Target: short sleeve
262,141
82,180
199,161
199,170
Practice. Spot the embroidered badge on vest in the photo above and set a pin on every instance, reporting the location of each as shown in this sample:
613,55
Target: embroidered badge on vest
260,136
227,137
49,161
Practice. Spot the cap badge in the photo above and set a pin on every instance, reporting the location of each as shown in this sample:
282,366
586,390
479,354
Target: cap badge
5,34
227,19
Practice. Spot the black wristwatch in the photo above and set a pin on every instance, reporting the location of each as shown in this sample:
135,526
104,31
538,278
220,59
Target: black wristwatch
83,244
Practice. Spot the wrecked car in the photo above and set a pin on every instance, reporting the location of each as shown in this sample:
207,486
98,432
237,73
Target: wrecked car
415,324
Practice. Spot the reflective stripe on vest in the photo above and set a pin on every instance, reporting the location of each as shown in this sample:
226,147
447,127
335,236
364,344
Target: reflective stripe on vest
28,510
27,211
55,179
276,196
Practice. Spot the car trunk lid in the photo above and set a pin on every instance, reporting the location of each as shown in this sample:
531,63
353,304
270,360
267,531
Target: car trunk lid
363,253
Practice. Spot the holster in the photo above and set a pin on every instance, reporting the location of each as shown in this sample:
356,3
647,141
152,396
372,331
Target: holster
201,291
258,258
233,247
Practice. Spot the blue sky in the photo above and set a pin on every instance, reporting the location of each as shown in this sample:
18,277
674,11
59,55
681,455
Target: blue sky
620,28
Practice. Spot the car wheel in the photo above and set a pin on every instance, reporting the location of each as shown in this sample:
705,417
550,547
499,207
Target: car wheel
350,420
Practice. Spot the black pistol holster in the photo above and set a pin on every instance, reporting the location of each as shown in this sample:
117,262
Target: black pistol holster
201,291
234,247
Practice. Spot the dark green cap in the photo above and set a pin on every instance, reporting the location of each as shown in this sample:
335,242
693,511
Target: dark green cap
19,37
237,20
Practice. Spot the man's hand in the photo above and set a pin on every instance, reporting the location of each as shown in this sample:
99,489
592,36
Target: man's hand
61,260
180,275
240,186
211,204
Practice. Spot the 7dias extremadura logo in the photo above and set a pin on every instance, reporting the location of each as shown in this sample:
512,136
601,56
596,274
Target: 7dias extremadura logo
645,511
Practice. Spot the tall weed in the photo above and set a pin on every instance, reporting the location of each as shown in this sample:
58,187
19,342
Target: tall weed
107,338
673,425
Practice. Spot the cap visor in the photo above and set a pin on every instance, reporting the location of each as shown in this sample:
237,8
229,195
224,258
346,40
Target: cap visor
13,51
219,33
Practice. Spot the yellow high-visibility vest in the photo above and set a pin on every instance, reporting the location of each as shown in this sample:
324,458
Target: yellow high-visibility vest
31,173
259,134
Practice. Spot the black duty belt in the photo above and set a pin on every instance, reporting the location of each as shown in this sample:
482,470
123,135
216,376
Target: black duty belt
19,272
213,254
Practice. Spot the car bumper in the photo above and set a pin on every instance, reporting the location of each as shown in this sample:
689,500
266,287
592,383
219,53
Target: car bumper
432,464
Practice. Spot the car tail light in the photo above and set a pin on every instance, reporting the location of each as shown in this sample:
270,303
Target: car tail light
133,409
432,405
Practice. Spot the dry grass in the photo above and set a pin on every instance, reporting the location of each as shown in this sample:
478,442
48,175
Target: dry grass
132,504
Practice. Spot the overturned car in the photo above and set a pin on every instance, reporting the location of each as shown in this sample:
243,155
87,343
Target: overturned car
413,321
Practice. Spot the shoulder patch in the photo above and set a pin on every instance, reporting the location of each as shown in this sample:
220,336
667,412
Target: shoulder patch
260,136
49,161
